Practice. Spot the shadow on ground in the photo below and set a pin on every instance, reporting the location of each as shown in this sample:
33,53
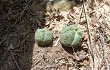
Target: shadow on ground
18,21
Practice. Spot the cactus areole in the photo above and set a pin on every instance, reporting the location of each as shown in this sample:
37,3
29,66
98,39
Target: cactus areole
70,36
43,36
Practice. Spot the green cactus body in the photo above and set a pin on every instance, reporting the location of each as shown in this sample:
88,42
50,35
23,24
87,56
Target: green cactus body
69,28
66,38
43,36
77,39
70,36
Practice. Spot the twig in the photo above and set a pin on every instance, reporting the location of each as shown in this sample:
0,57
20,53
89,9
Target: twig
89,35
80,14
57,42
8,32
6,61
36,63
58,37
15,60
10,47
4,39
88,30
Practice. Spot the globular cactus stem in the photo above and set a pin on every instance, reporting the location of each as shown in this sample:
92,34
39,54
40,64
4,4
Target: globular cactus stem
43,36
70,36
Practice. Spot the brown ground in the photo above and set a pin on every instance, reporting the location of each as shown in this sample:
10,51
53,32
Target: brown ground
19,19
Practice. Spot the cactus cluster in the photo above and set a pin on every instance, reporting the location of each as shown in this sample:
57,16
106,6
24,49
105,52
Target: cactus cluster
70,36
43,36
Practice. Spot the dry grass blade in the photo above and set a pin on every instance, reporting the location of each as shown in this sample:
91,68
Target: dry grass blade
90,45
15,60
15,22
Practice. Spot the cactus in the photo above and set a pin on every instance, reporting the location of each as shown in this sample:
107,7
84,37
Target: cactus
43,36
70,36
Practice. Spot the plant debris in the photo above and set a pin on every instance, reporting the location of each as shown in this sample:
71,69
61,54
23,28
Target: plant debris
19,19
